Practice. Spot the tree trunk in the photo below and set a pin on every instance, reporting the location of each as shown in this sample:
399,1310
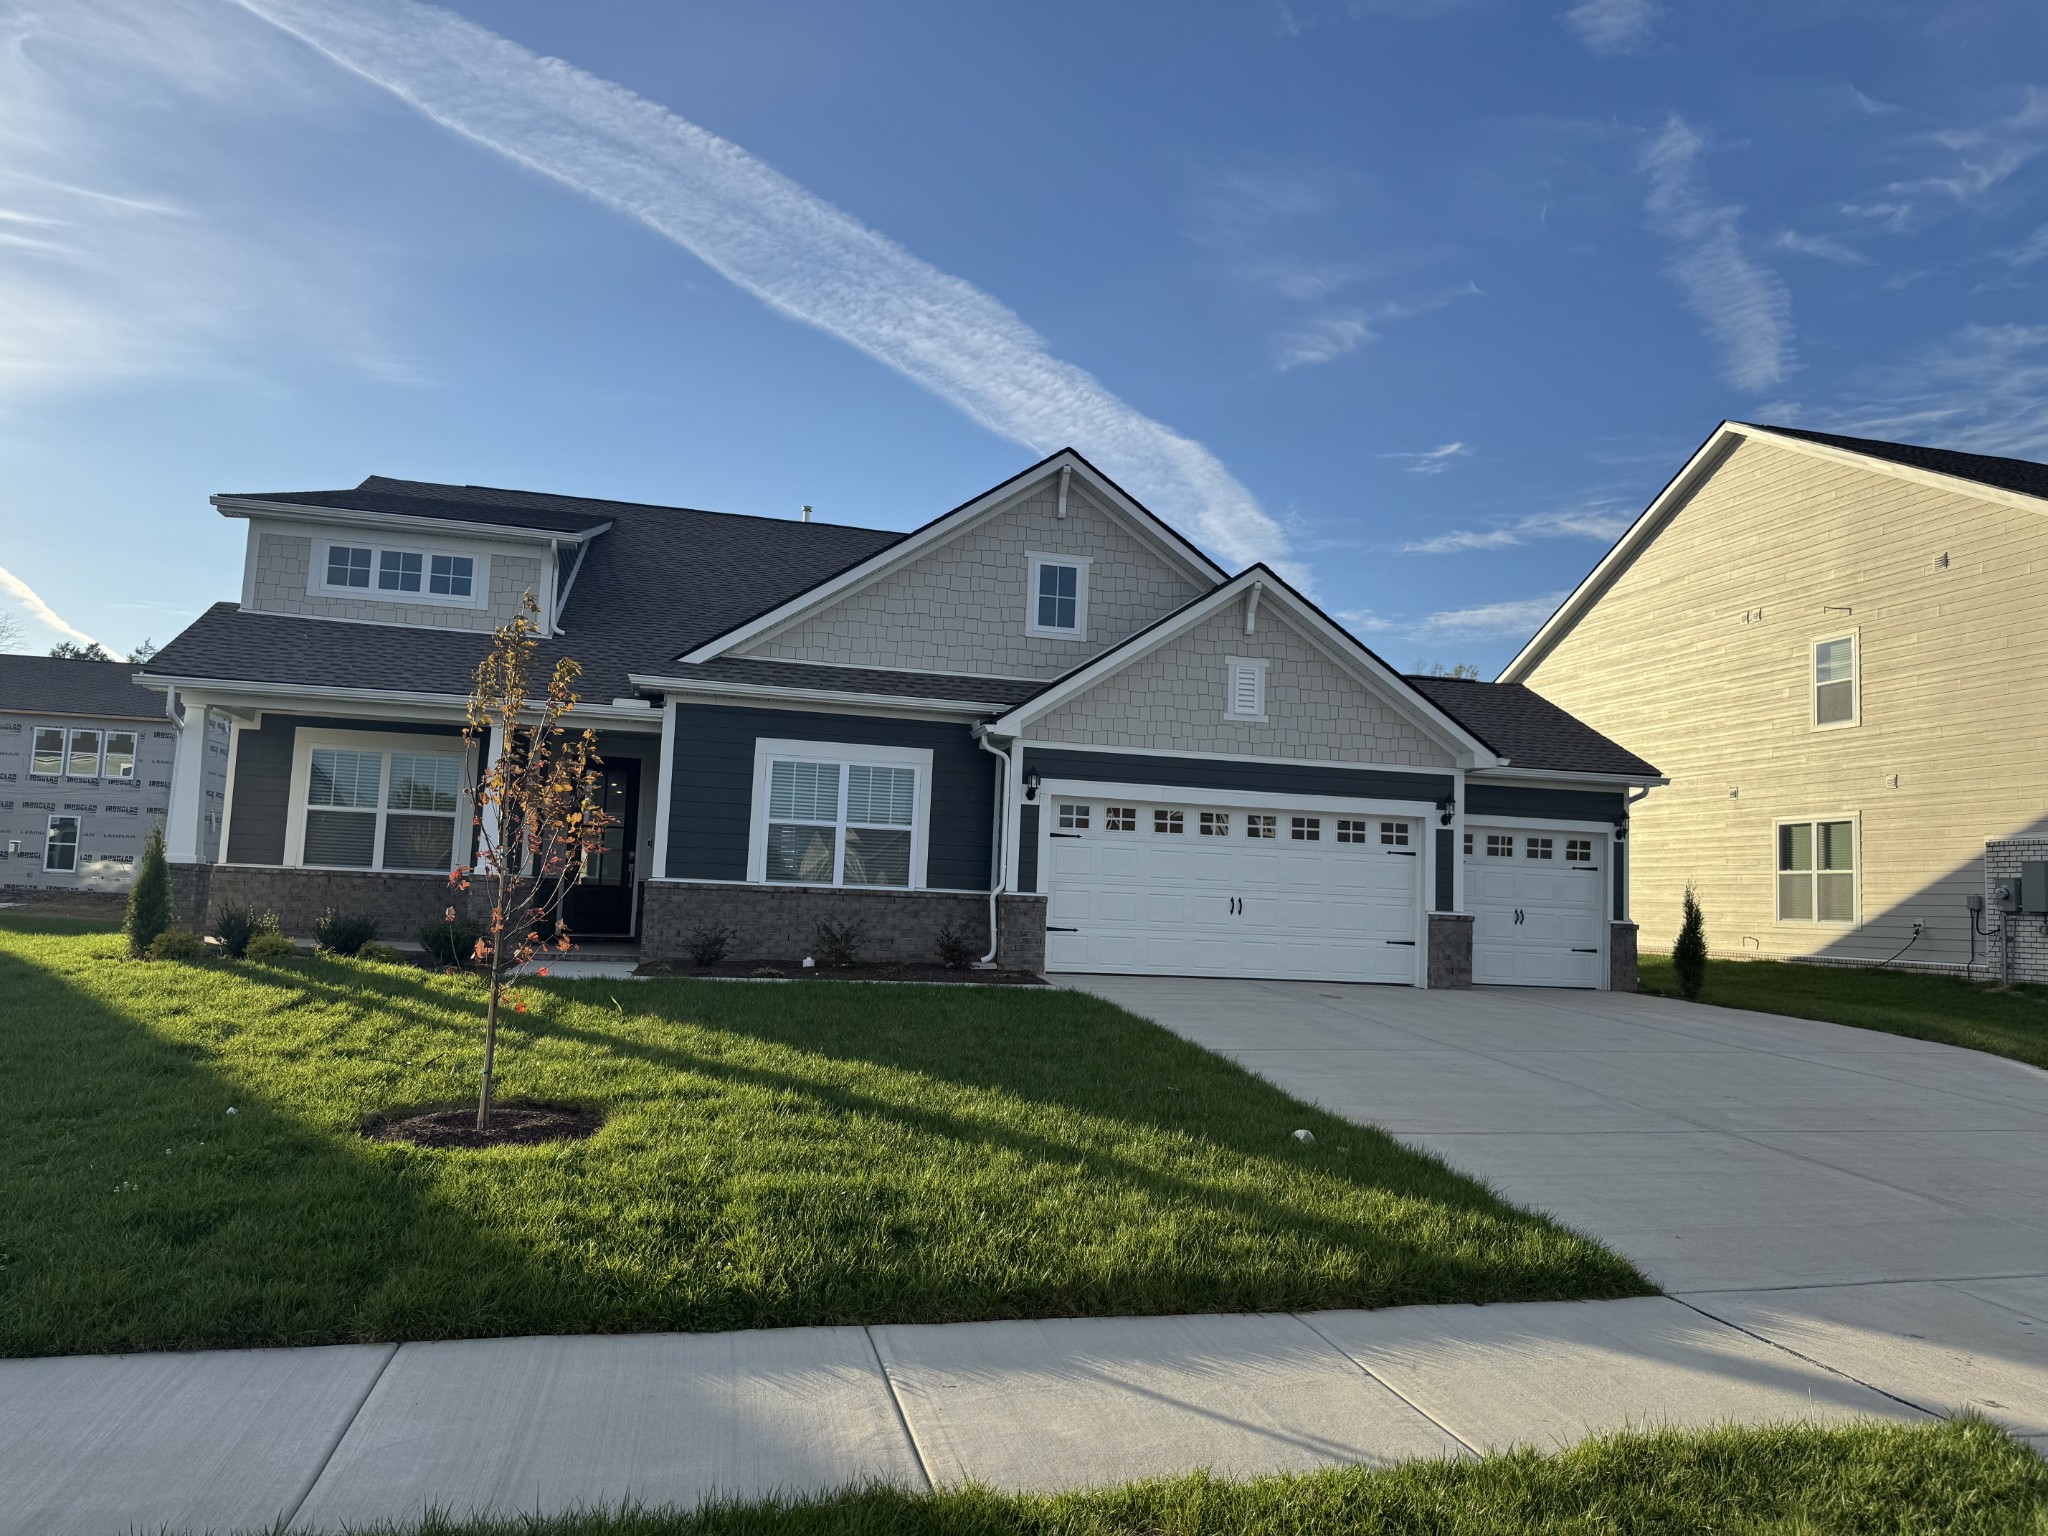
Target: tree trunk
483,1102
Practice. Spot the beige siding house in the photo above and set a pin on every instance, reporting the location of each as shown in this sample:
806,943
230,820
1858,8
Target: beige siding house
1837,650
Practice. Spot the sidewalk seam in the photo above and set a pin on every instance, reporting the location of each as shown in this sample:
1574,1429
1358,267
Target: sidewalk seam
1832,1370
896,1401
341,1434
1372,1376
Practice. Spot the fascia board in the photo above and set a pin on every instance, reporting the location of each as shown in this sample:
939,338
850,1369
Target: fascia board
1704,461
241,506
1566,778
1147,525
679,687
216,687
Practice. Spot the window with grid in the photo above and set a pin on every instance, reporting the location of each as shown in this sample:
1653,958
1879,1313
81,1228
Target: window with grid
1261,826
1351,831
46,755
1307,829
1073,818
1539,847
1468,845
60,852
1578,850
840,823
1394,834
1834,681
1120,818
1215,823
1059,596
452,576
1817,872
1172,823
1499,846
348,565
400,573
398,570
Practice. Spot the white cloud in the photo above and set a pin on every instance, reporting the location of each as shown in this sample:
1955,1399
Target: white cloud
795,252
1489,621
1613,26
2030,250
1982,390
39,610
1822,246
1743,305
1432,461
1603,520
1321,340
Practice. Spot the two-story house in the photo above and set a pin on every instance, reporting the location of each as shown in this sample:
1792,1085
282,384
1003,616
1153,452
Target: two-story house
1833,645
1043,718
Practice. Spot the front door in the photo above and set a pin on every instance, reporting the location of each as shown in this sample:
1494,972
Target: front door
600,906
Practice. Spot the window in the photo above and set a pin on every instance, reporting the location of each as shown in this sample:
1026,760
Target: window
368,807
347,566
341,815
1834,681
1578,850
819,835
405,575
419,827
1499,846
1394,834
1308,829
1817,872
1120,818
1215,823
61,851
1245,688
47,758
1171,823
84,759
398,570
1468,845
1351,832
1073,818
1261,826
1539,847
452,575
1058,597
120,755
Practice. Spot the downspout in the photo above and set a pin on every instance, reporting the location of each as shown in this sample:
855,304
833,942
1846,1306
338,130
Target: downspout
995,879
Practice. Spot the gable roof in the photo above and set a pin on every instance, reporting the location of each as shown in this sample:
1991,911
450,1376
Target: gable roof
1527,729
527,511
2021,475
1317,627
1144,522
50,685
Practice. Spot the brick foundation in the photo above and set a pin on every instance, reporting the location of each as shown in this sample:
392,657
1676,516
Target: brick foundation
402,904
2029,932
780,923
1621,957
1450,950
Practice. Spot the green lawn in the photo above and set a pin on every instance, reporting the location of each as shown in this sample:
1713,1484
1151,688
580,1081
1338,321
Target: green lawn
1947,1009
772,1156
1956,1479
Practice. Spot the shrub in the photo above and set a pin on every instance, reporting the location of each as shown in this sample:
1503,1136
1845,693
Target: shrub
177,944
956,950
383,954
451,943
269,947
149,903
841,943
707,944
235,925
1689,954
344,933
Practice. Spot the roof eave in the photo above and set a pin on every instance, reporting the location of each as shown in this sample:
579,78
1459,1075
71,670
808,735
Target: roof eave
972,708
246,506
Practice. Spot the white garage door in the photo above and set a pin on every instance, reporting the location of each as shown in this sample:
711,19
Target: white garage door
1539,901
1159,889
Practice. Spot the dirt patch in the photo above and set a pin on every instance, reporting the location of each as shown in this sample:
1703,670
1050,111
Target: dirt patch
94,906
512,1125
782,970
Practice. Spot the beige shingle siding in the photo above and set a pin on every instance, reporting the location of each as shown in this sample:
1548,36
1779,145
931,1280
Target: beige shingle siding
1953,687
960,607
1172,701
284,568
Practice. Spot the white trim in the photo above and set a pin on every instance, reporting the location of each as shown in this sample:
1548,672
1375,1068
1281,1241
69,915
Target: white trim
1148,526
1813,683
1855,871
1537,824
664,788
227,789
769,750
815,696
1231,667
249,567
77,842
1034,562
1564,778
1040,744
342,517
1235,799
306,740
317,584
453,705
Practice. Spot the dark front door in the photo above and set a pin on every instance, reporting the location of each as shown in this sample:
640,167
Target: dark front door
601,904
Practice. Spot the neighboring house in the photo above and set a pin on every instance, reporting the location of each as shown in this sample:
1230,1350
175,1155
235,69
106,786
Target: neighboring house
85,769
1835,648
1044,719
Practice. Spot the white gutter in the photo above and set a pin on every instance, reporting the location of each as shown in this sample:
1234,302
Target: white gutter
455,701
238,506
813,695
1568,776
995,883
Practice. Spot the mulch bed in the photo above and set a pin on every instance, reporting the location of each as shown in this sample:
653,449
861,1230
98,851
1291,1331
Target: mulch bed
512,1125
772,970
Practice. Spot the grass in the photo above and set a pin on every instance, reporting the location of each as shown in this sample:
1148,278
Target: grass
771,1156
1962,1478
1947,1009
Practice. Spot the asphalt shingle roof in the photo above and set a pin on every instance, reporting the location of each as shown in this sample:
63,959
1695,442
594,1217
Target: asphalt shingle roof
2022,475
46,685
1527,729
1003,691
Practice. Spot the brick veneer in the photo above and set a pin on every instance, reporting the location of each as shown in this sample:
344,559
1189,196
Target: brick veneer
2002,860
1450,950
1621,957
780,923
402,904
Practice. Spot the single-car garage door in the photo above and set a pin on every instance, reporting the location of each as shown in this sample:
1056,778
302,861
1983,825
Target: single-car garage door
1539,901
1155,888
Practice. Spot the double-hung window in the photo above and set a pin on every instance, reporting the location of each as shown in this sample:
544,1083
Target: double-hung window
83,761
61,851
120,762
851,816
1834,682
1817,871
1057,597
365,806
46,754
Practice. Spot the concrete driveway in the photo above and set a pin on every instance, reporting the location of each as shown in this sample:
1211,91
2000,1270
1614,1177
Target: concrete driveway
1875,1203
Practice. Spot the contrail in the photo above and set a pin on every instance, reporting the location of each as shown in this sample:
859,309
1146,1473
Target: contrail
792,250
38,609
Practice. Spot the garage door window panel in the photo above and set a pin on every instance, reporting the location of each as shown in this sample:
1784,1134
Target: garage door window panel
1073,818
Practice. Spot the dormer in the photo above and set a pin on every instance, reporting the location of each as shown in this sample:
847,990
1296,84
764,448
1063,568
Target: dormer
407,553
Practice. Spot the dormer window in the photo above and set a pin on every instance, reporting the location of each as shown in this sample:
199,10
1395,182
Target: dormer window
398,574
398,570
452,575
1058,597
348,566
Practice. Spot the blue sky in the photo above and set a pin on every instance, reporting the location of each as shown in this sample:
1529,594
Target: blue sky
1419,300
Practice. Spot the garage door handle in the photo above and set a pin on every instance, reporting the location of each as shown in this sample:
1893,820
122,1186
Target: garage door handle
1584,869
1409,942
1050,929
1066,834
1585,951
1400,853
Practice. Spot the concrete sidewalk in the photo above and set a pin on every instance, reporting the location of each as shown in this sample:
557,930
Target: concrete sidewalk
322,1438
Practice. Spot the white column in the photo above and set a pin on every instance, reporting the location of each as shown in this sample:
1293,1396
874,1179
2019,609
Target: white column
184,823
664,786
493,740
1458,788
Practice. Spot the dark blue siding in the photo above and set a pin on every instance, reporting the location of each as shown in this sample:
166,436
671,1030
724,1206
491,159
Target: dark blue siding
1250,775
1446,854
263,779
1545,804
711,796
1027,849
1619,852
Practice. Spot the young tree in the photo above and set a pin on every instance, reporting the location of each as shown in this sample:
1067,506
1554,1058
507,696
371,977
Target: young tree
1689,954
536,816
149,899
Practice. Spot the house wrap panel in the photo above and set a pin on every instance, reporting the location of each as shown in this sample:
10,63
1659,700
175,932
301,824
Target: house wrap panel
284,564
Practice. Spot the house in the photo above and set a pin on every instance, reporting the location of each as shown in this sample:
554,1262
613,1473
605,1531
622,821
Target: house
1834,646
1044,719
85,769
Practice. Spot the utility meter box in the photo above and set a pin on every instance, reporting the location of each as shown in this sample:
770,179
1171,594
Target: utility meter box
2005,895
2034,886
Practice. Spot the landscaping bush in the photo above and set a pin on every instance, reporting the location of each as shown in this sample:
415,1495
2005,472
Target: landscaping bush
956,950
1689,954
383,954
268,947
841,943
177,944
235,925
149,902
344,933
451,943
707,944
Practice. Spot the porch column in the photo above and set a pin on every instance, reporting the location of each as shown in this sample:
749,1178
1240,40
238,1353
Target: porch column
183,823
492,742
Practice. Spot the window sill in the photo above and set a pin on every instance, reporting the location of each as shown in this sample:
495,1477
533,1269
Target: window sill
1079,637
1230,719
